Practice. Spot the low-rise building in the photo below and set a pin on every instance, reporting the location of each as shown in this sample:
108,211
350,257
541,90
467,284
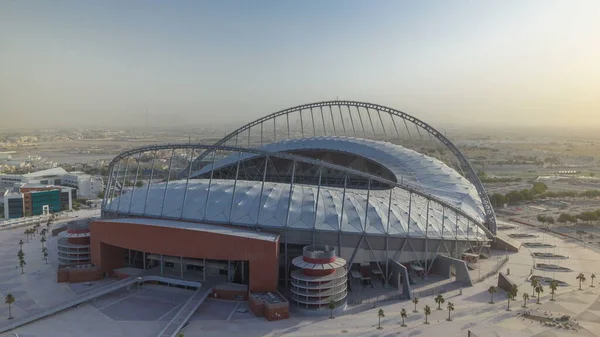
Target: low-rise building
87,186
31,199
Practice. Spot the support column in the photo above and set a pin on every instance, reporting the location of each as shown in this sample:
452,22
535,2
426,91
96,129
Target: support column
144,260
181,265
204,268
161,265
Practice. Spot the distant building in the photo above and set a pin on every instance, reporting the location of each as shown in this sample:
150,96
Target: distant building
30,199
87,186
6,155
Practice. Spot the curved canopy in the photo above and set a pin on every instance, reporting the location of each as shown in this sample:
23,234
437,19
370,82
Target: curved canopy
252,203
358,119
425,173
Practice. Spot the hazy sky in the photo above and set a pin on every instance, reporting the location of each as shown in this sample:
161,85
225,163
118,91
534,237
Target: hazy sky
193,62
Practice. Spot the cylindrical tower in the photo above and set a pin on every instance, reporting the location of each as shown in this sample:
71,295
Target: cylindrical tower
320,280
74,244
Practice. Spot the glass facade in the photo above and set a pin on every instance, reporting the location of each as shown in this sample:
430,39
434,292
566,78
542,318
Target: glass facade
39,199
15,208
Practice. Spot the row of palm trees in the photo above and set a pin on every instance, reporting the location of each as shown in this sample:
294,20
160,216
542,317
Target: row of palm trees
9,299
426,310
537,288
403,313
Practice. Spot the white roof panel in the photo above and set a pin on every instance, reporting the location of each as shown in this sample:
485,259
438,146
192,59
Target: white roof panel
428,174
335,210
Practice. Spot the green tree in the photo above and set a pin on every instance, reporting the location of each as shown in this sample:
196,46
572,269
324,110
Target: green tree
331,306
403,315
9,299
45,253
43,240
450,309
539,188
427,313
511,295
541,218
139,183
492,290
553,286
534,283
439,299
498,200
525,299
26,235
380,314
580,278
22,263
415,302
593,277
21,244
539,289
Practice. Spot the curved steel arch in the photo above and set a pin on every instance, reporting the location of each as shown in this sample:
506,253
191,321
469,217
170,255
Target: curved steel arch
291,157
470,173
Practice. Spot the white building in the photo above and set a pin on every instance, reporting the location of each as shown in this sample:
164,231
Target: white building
9,180
87,186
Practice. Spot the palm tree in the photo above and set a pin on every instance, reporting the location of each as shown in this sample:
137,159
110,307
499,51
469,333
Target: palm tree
539,289
21,244
415,301
525,299
450,309
593,277
439,299
45,252
9,299
380,314
331,306
43,240
427,313
26,235
553,286
534,283
403,315
511,295
492,291
21,257
581,279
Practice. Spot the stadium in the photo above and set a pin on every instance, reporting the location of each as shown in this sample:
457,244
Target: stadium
360,190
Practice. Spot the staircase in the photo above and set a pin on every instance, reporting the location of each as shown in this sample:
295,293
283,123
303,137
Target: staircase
184,314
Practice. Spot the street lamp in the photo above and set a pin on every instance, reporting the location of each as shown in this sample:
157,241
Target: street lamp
139,280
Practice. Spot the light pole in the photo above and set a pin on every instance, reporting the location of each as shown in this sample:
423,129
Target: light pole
139,280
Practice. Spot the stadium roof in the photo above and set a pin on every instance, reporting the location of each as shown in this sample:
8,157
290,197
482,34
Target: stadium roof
335,211
413,168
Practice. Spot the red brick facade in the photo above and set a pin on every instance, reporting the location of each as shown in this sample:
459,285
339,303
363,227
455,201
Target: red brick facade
110,241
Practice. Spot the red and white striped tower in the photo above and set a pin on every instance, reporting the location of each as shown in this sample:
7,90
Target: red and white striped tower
320,280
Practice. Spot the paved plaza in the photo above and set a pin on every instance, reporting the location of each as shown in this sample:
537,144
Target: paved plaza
145,311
